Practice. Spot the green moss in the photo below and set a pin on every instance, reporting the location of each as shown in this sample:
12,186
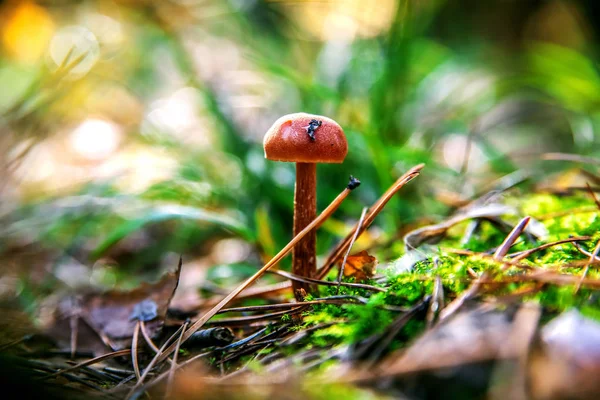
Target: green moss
286,318
350,323
335,333
591,311
557,299
369,319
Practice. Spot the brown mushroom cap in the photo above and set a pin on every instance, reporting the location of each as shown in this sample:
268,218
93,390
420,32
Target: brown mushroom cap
288,140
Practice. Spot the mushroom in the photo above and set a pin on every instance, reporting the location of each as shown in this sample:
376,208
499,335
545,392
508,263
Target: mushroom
305,139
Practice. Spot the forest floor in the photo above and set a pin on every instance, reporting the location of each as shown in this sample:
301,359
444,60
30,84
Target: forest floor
498,300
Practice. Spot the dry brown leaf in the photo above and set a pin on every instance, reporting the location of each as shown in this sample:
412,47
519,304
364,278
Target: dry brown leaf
361,266
565,362
105,318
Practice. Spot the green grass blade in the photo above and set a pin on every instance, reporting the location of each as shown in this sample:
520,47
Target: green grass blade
172,212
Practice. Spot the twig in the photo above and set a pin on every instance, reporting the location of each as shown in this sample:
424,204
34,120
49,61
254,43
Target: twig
511,238
255,318
555,279
147,337
289,275
587,266
585,252
89,362
372,213
341,272
269,307
524,254
134,349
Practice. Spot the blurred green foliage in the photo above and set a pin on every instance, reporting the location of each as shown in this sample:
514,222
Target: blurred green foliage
453,87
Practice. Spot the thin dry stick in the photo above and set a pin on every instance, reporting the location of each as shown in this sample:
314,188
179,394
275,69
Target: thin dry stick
174,363
587,266
372,213
278,306
341,272
476,285
313,225
510,240
134,349
469,253
147,338
291,276
256,318
524,254
552,278
585,252
89,362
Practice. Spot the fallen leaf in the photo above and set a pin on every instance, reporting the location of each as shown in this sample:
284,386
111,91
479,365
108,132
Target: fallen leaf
107,317
472,348
565,362
361,266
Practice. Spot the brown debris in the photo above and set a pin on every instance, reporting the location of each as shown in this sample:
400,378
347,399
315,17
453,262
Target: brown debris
361,266
105,318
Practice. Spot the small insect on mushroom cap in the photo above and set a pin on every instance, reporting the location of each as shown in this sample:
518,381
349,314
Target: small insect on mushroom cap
306,138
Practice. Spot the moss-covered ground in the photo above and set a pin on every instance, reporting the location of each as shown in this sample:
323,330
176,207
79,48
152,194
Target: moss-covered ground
458,263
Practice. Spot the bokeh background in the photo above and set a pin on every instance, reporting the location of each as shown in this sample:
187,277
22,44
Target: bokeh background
131,130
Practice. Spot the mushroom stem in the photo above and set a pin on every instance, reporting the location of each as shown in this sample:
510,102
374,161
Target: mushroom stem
304,261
